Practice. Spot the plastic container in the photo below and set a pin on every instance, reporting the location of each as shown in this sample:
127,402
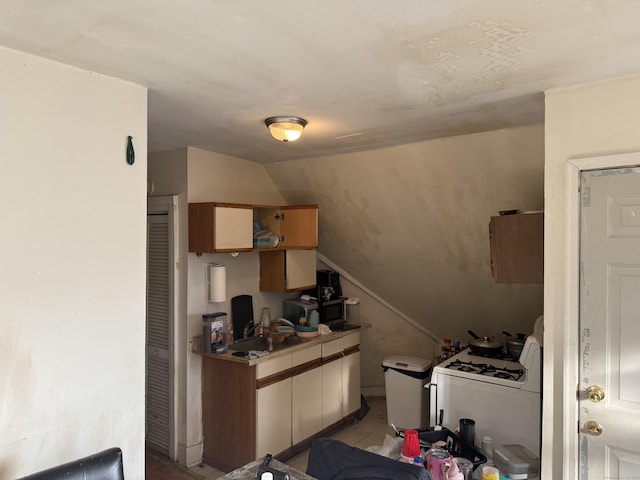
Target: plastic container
516,462
352,310
214,330
407,399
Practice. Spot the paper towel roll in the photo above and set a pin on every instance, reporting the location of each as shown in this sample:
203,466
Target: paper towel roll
217,291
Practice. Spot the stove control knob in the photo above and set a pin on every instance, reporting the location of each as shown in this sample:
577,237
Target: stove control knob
593,428
595,393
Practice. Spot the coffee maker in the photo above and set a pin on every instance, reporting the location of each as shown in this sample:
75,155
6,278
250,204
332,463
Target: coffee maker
330,299
328,285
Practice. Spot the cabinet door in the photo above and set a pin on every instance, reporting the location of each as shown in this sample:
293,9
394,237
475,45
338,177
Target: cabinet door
233,228
306,394
220,227
273,417
351,383
299,227
351,374
301,269
306,412
331,392
273,406
287,270
331,382
517,252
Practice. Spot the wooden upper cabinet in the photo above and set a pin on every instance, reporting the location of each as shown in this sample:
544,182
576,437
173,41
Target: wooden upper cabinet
517,248
296,225
287,270
220,227
228,227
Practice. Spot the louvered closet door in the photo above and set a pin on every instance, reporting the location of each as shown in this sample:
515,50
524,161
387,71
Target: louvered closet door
158,383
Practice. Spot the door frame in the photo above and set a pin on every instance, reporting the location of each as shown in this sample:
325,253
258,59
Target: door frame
574,167
169,204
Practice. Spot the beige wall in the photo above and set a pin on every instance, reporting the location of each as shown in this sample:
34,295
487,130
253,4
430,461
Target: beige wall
72,288
588,120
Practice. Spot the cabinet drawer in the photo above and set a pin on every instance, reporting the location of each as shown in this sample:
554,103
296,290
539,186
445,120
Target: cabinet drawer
331,348
307,355
351,340
273,366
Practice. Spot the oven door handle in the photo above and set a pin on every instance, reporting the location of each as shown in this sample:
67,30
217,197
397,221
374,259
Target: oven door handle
433,399
438,414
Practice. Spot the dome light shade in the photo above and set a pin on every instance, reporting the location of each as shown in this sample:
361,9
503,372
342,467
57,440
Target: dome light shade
285,129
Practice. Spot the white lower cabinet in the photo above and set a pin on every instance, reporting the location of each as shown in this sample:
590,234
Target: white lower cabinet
292,407
273,408
306,395
351,383
331,393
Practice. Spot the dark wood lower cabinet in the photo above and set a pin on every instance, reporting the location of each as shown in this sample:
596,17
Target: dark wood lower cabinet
228,414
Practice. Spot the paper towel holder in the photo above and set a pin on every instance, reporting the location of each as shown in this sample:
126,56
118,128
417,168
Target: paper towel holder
216,283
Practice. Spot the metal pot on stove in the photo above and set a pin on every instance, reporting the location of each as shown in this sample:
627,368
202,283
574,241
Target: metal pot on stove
514,343
484,345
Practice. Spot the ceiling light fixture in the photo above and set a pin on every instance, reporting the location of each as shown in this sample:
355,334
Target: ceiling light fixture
285,129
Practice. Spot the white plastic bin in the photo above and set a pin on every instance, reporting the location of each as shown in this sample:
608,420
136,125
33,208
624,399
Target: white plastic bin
407,399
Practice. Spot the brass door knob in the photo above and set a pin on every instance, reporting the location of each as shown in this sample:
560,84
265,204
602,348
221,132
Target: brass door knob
595,393
593,428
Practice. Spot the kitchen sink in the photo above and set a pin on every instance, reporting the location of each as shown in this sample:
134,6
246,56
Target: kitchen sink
260,343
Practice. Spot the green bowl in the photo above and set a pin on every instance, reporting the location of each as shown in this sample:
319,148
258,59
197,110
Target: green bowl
304,328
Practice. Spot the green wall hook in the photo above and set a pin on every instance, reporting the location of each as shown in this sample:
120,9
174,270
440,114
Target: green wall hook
131,154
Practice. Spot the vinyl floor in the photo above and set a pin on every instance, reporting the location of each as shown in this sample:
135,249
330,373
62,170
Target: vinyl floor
369,431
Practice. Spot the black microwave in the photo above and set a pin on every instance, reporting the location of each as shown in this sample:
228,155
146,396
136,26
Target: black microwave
331,311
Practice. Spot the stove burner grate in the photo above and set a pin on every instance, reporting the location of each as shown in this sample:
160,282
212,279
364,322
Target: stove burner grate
486,369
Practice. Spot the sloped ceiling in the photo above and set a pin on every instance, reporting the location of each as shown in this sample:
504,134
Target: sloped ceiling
410,223
365,74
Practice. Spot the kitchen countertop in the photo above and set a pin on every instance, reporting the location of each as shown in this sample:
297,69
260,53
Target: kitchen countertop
250,471
278,352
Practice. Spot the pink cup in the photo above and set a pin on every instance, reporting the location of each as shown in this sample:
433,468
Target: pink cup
436,458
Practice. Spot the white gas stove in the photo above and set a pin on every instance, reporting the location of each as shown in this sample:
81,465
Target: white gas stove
501,394
523,373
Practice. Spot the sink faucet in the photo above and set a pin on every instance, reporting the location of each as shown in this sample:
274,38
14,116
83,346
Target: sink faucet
250,328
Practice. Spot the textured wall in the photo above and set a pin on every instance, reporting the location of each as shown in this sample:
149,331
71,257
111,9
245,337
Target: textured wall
411,224
72,289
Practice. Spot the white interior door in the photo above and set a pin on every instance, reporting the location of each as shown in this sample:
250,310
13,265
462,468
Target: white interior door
609,340
160,391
